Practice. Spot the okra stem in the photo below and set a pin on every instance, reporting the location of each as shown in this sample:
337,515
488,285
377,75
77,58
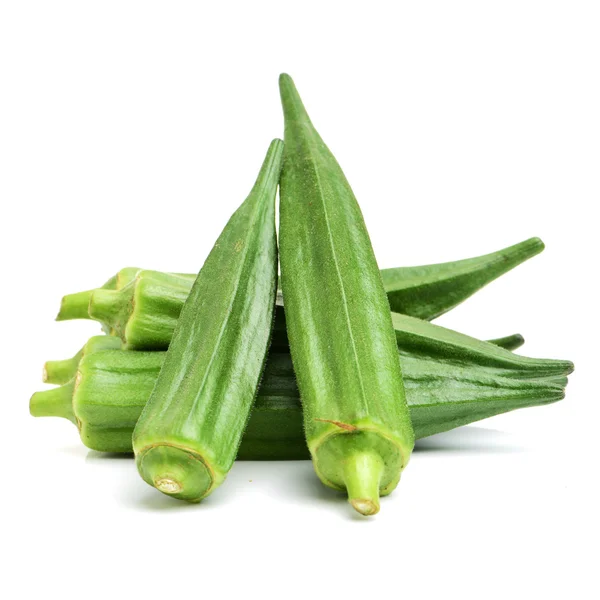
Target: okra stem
60,371
57,402
74,306
362,476
104,306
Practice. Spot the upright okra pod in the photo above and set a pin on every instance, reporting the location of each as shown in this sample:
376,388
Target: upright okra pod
341,337
188,434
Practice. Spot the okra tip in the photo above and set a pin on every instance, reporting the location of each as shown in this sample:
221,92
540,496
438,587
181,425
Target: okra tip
285,79
177,472
293,107
362,476
535,244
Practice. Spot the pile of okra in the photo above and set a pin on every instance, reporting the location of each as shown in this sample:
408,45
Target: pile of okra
335,361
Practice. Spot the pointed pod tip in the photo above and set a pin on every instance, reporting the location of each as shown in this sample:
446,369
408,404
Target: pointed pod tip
537,244
287,86
569,367
276,145
285,78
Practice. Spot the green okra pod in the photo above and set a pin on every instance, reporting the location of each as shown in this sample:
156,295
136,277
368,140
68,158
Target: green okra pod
416,337
111,387
188,434
429,291
143,306
356,419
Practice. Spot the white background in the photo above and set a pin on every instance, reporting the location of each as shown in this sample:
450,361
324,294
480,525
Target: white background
129,132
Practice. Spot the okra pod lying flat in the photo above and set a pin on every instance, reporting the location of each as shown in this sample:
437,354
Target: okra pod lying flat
429,291
62,371
111,387
142,306
416,337
189,432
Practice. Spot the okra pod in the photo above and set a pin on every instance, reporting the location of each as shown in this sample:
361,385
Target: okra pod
188,434
143,306
356,419
111,387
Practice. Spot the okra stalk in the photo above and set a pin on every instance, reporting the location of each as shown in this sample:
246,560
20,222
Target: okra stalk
356,419
75,306
56,402
188,435
61,371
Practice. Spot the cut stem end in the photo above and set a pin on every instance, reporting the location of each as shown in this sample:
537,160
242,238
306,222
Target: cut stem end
168,486
177,472
365,506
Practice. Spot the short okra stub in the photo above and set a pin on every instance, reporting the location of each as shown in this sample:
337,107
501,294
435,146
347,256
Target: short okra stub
177,471
361,460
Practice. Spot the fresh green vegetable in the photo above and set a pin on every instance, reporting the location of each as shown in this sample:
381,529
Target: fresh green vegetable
111,387
188,434
143,306
356,419
432,290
